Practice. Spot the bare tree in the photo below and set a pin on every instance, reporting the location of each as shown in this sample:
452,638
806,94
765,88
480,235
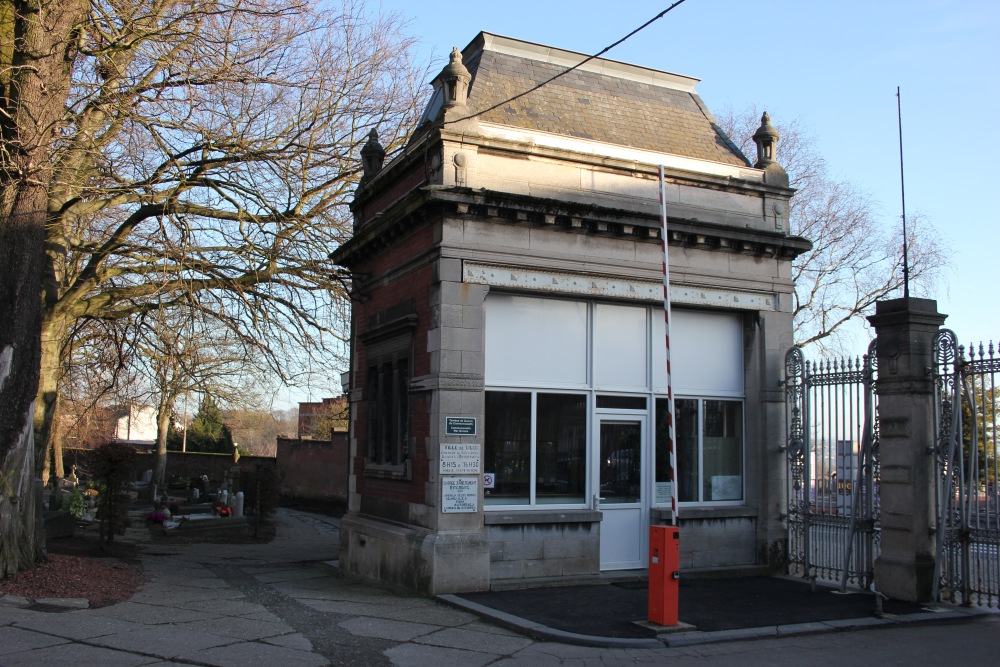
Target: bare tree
856,258
254,430
159,149
100,375
180,351
332,417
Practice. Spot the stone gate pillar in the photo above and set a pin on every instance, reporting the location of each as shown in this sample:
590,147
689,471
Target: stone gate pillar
905,330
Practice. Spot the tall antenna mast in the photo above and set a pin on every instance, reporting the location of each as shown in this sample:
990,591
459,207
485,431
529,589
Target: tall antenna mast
902,190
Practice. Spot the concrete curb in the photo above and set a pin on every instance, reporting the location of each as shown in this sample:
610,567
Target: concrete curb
937,616
934,617
543,632
44,604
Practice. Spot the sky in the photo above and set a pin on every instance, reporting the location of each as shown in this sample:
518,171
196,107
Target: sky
834,67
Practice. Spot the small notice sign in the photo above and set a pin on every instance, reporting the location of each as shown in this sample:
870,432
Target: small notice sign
459,459
460,426
664,492
460,494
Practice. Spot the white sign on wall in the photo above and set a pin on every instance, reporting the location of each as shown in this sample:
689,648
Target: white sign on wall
459,459
460,494
664,493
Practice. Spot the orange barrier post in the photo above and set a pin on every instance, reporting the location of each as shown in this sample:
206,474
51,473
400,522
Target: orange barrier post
664,574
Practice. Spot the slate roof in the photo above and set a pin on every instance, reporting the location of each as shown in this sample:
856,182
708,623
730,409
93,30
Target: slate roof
594,105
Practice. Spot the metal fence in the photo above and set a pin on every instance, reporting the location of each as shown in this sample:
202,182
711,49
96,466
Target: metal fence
968,498
832,457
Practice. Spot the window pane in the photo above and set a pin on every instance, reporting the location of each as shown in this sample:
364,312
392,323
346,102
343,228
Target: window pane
662,447
723,450
507,442
401,447
621,461
686,413
621,402
561,448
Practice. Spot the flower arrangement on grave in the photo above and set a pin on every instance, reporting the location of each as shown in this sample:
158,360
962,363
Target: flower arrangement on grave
156,516
223,510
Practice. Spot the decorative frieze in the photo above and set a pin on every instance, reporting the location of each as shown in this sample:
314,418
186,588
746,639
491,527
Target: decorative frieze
633,290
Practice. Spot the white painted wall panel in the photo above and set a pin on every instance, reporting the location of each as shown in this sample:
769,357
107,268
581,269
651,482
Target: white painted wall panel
706,353
620,347
535,341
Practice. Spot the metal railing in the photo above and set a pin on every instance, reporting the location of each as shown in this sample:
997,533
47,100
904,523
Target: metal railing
967,411
832,514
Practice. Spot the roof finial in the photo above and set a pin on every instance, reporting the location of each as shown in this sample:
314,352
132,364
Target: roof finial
372,156
765,137
455,79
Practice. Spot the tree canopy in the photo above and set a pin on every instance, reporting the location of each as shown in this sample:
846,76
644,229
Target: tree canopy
164,154
205,158
208,432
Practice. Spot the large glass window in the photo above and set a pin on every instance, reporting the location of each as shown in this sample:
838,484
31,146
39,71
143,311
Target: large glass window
535,445
709,450
507,443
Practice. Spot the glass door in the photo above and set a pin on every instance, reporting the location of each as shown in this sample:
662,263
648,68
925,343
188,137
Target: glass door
621,497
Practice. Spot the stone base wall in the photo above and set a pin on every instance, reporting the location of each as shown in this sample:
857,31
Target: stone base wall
414,559
567,548
718,542
539,547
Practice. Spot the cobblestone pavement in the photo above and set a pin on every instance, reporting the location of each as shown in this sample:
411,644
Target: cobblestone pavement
284,604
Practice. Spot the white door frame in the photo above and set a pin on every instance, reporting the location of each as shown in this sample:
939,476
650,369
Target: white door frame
624,525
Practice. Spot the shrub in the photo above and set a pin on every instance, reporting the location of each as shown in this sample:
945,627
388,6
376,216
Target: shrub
75,503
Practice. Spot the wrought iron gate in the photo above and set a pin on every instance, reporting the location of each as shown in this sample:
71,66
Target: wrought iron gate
833,468
968,498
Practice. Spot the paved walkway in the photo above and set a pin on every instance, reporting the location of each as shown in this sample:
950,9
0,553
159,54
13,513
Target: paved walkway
283,605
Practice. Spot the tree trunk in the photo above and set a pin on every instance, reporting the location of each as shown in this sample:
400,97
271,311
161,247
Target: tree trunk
21,248
162,426
53,339
34,83
17,503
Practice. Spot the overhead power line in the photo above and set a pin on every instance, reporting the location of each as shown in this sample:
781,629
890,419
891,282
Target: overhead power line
570,69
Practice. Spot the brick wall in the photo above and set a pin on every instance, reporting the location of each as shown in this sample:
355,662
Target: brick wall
313,469
412,288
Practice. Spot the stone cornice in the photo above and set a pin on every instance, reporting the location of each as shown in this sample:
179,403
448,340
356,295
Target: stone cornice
434,202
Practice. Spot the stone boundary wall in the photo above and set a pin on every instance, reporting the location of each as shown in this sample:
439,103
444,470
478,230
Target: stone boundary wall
308,469
180,465
313,469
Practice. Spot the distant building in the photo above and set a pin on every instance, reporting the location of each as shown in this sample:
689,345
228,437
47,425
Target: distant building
508,385
135,424
327,411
